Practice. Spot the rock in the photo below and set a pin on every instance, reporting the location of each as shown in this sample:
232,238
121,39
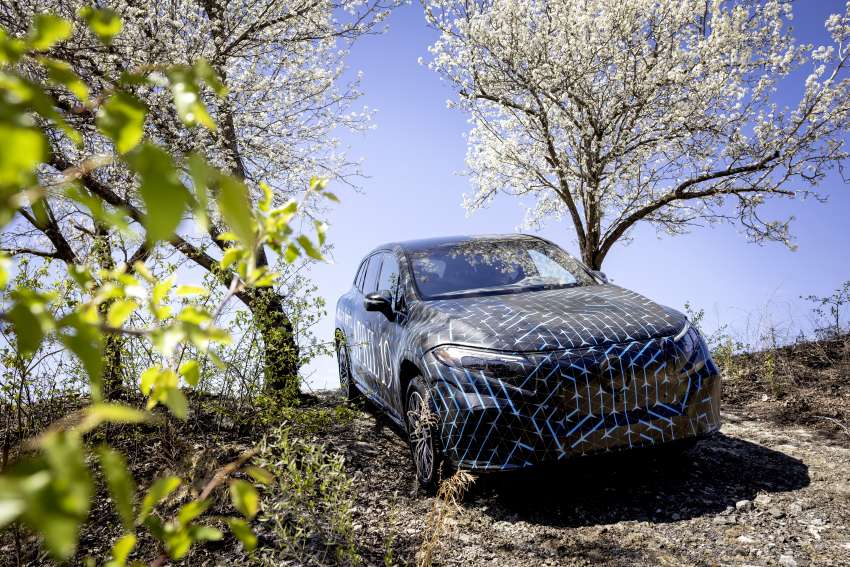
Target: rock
743,505
762,500
745,539
795,509
776,512
787,561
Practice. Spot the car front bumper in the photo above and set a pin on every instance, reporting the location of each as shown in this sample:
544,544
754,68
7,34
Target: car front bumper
576,402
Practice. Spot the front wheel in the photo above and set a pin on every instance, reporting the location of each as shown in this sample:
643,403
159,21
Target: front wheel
346,383
421,434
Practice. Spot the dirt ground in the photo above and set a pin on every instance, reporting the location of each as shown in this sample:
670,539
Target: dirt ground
757,494
773,488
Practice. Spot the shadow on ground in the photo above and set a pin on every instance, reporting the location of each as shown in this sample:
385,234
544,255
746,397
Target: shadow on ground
642,486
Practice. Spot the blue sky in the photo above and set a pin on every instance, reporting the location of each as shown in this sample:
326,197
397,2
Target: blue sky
412,156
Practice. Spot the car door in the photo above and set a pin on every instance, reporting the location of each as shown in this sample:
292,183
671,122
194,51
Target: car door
386,329
363,349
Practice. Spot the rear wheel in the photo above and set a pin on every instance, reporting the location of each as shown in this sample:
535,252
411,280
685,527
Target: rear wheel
421,435
346,383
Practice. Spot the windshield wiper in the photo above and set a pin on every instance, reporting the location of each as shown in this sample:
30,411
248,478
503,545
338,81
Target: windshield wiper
514,287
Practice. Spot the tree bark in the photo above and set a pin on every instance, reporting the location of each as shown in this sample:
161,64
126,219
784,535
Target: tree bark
112,381
280,365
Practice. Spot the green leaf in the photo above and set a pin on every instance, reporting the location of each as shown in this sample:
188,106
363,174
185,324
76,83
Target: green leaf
5,265
122,487
321,231
265,203
87,343
205,533
25,96
17,168
244,497
164,195
235,207
187,97
11,48
99,413
27,328
119,311
204,71
192,510
104,22
202,176
243,532
60,73
330,196
187,290
59,508
177,543
318,183
291,253
48,30
230,256
122,118
148,379
156,494
121,550
175,400
190,371
260,475
309,247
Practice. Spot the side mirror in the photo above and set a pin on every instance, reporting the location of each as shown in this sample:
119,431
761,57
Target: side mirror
378,301
601,276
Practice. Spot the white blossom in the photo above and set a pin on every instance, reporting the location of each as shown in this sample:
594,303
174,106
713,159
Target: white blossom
612,113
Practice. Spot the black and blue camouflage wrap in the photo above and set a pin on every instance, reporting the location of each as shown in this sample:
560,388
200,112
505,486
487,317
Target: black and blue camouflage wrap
595,368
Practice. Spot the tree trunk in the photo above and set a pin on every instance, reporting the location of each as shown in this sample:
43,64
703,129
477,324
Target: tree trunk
281,351
112,376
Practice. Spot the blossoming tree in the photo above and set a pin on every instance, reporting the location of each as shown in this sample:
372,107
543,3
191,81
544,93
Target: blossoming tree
280,66
613,114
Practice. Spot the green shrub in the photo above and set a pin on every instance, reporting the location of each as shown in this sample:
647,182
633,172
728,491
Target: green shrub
309,505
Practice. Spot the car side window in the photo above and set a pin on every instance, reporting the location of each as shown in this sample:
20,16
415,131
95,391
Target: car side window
370,283
388,281
358,279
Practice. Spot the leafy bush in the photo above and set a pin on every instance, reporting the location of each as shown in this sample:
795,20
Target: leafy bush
308,505
51,491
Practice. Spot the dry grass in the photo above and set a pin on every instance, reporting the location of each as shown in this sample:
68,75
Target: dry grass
447,504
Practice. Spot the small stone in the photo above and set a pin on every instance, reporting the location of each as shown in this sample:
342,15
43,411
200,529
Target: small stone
743,505
776,512
795,509
745,539
787,561
764,397
762,500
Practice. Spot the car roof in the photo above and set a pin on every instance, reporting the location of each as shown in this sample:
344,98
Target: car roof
435,242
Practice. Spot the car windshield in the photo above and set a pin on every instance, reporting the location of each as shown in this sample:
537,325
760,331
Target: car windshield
494,266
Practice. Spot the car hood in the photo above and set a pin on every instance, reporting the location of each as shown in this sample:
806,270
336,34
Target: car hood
554,319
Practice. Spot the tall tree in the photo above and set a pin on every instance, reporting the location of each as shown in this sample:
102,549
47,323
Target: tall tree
281,62
613,113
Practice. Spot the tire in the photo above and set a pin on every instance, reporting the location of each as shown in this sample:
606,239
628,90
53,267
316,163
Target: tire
346,383
421,435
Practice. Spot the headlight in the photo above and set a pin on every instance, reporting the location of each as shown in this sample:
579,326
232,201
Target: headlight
493,364
681,334
688,341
